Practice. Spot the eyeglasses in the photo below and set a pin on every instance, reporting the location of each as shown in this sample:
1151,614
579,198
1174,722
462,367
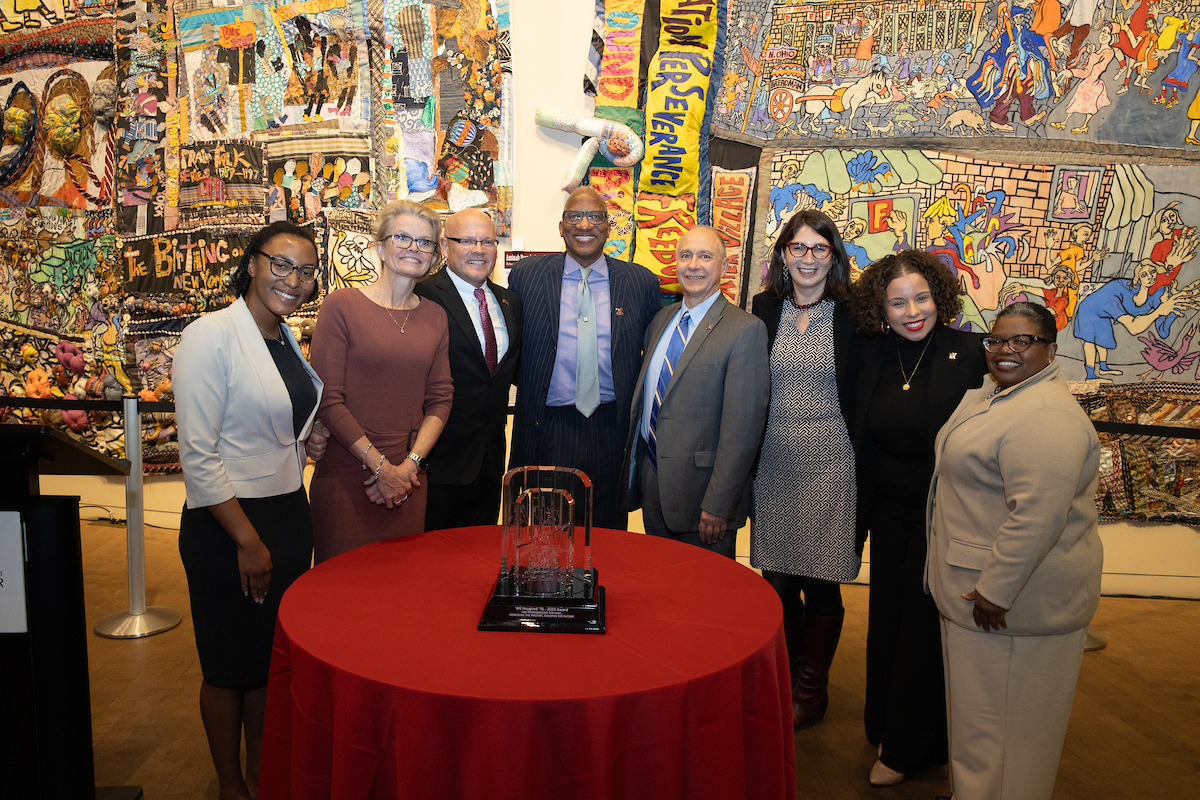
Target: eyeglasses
282,266
473,242
594,217
404,241
799,250
1017,344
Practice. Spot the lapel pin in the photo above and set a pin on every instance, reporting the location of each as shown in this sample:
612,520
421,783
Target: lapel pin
504,300
620,312
953,356
708,328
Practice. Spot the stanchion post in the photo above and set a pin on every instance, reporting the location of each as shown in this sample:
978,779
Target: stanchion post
139,620
135,527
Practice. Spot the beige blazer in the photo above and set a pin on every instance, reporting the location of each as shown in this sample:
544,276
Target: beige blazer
1011,509
235,415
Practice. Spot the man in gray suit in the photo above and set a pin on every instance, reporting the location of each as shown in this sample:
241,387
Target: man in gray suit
699,406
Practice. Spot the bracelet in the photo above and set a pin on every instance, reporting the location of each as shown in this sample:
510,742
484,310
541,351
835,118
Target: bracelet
366,453
379,466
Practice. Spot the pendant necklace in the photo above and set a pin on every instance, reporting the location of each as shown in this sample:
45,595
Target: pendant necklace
393,319
908,378
406,316
278,337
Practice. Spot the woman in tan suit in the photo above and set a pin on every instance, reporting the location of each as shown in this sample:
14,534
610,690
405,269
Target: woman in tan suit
1014,562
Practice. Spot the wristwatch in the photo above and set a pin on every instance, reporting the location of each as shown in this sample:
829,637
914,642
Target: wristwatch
420,461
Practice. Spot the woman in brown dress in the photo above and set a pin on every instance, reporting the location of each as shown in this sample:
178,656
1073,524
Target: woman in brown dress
383,355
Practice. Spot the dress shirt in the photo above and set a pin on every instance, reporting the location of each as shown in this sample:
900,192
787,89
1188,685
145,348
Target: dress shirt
562,380
467,292
659,354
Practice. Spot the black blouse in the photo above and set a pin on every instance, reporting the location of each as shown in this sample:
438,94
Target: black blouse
297,380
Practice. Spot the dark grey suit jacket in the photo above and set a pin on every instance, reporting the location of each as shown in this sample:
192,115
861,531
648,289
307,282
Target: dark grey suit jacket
711,419
474,435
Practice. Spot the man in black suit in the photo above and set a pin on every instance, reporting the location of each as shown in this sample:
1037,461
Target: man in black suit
467,465
573,401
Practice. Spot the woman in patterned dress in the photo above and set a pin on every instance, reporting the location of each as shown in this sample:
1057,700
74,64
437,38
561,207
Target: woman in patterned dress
802,534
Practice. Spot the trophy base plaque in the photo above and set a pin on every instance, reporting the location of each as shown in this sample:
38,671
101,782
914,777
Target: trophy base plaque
579,611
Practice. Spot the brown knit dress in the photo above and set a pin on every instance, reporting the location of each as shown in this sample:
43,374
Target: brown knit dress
382,383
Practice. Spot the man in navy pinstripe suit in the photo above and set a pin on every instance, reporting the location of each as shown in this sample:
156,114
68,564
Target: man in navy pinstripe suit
548,427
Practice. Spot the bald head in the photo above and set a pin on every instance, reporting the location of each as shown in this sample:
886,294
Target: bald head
474,258
584,237
699,264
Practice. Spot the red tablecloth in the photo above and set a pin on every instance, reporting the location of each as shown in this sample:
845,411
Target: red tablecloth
381,686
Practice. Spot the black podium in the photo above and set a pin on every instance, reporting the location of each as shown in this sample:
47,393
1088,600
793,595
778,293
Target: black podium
46,739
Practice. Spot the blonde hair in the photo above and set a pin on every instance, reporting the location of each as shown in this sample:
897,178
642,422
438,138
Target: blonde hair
401,208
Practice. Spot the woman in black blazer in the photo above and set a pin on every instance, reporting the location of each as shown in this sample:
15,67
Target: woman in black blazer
913,373
803,529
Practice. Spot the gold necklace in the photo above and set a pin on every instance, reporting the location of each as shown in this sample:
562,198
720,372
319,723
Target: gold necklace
393,319
406,316
276,338
908,378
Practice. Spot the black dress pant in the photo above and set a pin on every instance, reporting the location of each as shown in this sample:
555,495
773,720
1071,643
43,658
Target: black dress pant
906,698
477,503
594,444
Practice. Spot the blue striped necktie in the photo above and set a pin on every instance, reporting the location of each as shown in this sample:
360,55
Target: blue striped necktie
674,351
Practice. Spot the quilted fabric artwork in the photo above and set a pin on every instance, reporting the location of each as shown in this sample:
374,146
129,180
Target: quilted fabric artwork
145,86
310,172
1070,72
59,140
222,183
257,66
348,255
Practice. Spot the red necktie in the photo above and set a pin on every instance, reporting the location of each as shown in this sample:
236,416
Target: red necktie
489,333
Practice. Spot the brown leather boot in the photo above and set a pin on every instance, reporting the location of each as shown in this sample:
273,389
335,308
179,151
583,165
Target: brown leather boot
810,693
793,637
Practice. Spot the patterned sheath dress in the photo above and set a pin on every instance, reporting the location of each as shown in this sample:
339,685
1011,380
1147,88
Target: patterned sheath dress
804,493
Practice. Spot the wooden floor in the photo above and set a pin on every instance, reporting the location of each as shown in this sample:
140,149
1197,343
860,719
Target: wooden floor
1135,731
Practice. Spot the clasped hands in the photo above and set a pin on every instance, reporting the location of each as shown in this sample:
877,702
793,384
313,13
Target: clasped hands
393,484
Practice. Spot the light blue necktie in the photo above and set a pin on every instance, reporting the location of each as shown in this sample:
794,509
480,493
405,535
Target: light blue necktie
674,351
587,350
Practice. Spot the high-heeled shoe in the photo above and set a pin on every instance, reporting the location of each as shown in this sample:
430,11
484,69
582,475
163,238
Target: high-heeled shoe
883,775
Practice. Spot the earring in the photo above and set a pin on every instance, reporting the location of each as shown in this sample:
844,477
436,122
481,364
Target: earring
885,326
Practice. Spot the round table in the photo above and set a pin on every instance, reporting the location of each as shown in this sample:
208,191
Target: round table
381,686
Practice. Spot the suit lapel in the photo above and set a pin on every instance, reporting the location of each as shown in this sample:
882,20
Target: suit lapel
653,333
701,331
869,380
268,374
617,293
510,323
453,303
551,291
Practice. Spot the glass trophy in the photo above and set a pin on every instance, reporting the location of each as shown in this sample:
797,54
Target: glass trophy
546,581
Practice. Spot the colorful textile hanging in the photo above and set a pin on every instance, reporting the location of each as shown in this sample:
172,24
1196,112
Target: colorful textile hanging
679,80
732,196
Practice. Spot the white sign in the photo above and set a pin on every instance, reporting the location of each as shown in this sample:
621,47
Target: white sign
14,617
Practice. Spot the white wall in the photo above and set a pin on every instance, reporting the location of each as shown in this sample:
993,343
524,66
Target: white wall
550,42
550,39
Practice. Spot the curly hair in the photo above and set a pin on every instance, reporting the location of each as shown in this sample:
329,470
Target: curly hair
778,282
869,297
240,279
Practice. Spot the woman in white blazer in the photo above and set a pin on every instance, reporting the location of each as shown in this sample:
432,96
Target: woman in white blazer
245,403
1014,561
